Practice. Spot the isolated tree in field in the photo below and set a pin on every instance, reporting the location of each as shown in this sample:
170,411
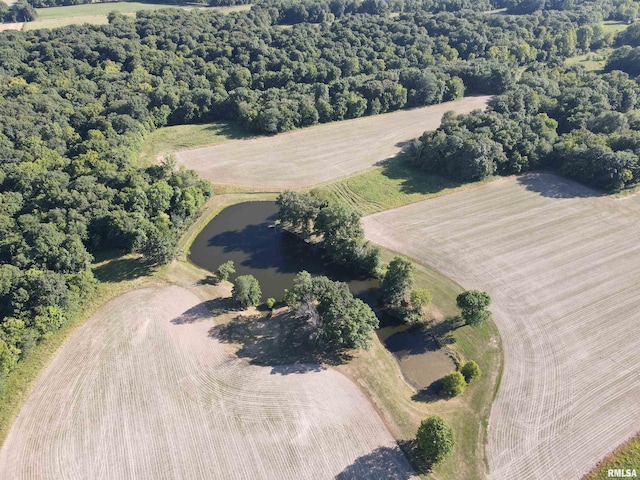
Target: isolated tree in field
434,440
246,291
473,304
397,282
470,371
226,269
453,384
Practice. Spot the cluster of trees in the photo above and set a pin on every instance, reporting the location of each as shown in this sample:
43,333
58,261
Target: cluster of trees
398,295
577,123
455,383
337,319
20,11
338,226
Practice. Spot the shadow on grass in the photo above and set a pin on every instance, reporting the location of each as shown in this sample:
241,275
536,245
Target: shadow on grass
408,447
282,342
209,280
412,179
430,394
122,269
204,310
231,130
383,464
552,186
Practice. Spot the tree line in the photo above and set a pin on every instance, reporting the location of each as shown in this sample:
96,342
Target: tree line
582,125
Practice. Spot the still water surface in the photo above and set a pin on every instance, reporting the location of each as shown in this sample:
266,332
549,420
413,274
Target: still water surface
246,234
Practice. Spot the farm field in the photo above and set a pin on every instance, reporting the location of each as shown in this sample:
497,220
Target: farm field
318,154
96,13
560,263
145,390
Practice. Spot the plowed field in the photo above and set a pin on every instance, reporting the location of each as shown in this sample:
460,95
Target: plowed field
144,390
319,154
562,266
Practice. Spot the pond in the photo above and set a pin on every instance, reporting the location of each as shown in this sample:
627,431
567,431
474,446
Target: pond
246,233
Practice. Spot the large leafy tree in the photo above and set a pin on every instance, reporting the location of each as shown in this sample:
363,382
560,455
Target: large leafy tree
339,320
473,304
435,440
397,282
246,291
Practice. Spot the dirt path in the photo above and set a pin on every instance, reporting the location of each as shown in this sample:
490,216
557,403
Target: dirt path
562,267
143,391
319,154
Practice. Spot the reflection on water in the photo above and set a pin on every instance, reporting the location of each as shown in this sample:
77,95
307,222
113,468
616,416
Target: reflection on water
246,233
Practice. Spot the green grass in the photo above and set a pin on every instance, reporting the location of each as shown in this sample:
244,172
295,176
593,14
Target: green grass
613,26
117,275
592,61
391,185
625,457
595,61
96,13
167,140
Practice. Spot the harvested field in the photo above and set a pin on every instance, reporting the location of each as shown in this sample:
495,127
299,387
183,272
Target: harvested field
142,390
11,26
561,264
319,154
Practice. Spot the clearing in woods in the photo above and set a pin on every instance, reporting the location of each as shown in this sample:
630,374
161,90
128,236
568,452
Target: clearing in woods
97,13
144,389
314,155
560,263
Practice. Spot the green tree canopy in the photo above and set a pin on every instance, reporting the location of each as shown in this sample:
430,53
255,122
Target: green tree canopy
225,269
473,304
341,321
453,384
434,440
470,370
246,291
397,282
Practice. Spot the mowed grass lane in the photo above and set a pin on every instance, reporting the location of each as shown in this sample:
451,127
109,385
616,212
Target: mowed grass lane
144,390
561,265
321,153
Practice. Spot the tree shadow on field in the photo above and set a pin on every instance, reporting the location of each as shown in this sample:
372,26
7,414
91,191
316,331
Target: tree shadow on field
280,341
283,342
123,269
383,463
205,310
413,180
552,186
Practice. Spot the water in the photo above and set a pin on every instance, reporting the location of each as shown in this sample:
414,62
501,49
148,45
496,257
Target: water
246,233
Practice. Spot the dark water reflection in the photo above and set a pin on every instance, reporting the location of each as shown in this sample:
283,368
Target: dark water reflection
246,234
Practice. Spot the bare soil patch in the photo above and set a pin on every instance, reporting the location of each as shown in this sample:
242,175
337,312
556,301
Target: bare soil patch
319,154
560,263
11,26
144,390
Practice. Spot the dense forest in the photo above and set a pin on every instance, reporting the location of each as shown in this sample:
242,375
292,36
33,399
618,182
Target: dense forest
77,102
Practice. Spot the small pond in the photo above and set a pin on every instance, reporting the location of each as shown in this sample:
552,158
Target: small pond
246,233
